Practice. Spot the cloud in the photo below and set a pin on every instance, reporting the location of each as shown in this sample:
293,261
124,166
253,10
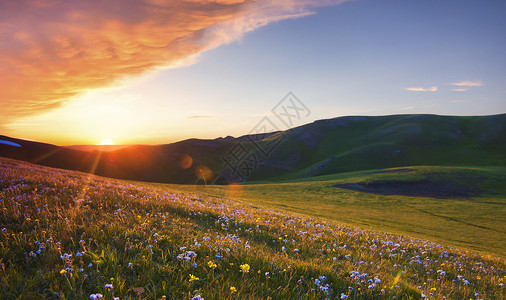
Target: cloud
421,89
468,83
53,50
459,90
198,117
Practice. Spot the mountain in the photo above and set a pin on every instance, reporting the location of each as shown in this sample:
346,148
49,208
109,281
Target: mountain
323,147
105,148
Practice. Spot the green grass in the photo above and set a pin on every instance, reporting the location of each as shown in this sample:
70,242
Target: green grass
475,223
361,143
66,235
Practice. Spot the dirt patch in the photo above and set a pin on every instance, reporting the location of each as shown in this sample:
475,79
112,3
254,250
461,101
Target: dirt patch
421,188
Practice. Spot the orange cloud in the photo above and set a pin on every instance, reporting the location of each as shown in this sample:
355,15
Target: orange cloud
52,50
421,89
467,83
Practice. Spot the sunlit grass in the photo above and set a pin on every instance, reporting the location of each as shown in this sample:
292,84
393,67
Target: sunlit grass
72,235
475,223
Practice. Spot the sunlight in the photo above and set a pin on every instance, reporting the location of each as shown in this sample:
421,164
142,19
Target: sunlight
107,141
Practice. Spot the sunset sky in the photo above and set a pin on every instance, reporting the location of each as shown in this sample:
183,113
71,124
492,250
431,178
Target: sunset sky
159,71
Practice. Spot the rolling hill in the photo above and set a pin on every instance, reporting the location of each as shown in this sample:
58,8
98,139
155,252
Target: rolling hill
70,235
323,147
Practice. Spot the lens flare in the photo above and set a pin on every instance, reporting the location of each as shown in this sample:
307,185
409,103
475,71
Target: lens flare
204,173
185,161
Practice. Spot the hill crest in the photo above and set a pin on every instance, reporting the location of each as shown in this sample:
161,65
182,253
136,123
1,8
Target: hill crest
323,147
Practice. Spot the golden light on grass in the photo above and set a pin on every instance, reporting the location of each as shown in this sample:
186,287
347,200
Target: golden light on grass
234,190
262,241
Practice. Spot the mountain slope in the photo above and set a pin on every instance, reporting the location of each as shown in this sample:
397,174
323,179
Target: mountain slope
323,147
362,143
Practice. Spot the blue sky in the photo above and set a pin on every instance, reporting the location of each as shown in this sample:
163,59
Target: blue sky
361,57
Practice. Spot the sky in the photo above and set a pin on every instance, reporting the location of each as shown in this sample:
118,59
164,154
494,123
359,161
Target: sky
158,71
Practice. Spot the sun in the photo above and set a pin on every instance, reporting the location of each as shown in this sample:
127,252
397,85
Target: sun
107,141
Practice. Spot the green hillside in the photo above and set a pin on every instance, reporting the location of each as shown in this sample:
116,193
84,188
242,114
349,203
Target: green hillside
363,143
323,147
459,206
71,235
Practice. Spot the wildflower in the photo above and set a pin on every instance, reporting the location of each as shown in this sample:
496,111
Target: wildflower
245,268
108,286
343,296
197,297
65,256
193,278
4,229
211,265
63,271
233,289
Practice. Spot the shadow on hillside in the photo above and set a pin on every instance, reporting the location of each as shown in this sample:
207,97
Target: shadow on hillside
420,188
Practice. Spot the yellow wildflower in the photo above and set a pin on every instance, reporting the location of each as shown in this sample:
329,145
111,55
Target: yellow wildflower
233,289
244,268
193,278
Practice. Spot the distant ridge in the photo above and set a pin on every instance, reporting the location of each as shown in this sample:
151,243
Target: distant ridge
323,147
105,148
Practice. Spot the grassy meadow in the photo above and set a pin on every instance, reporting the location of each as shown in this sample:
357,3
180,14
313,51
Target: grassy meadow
70,235
475,222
